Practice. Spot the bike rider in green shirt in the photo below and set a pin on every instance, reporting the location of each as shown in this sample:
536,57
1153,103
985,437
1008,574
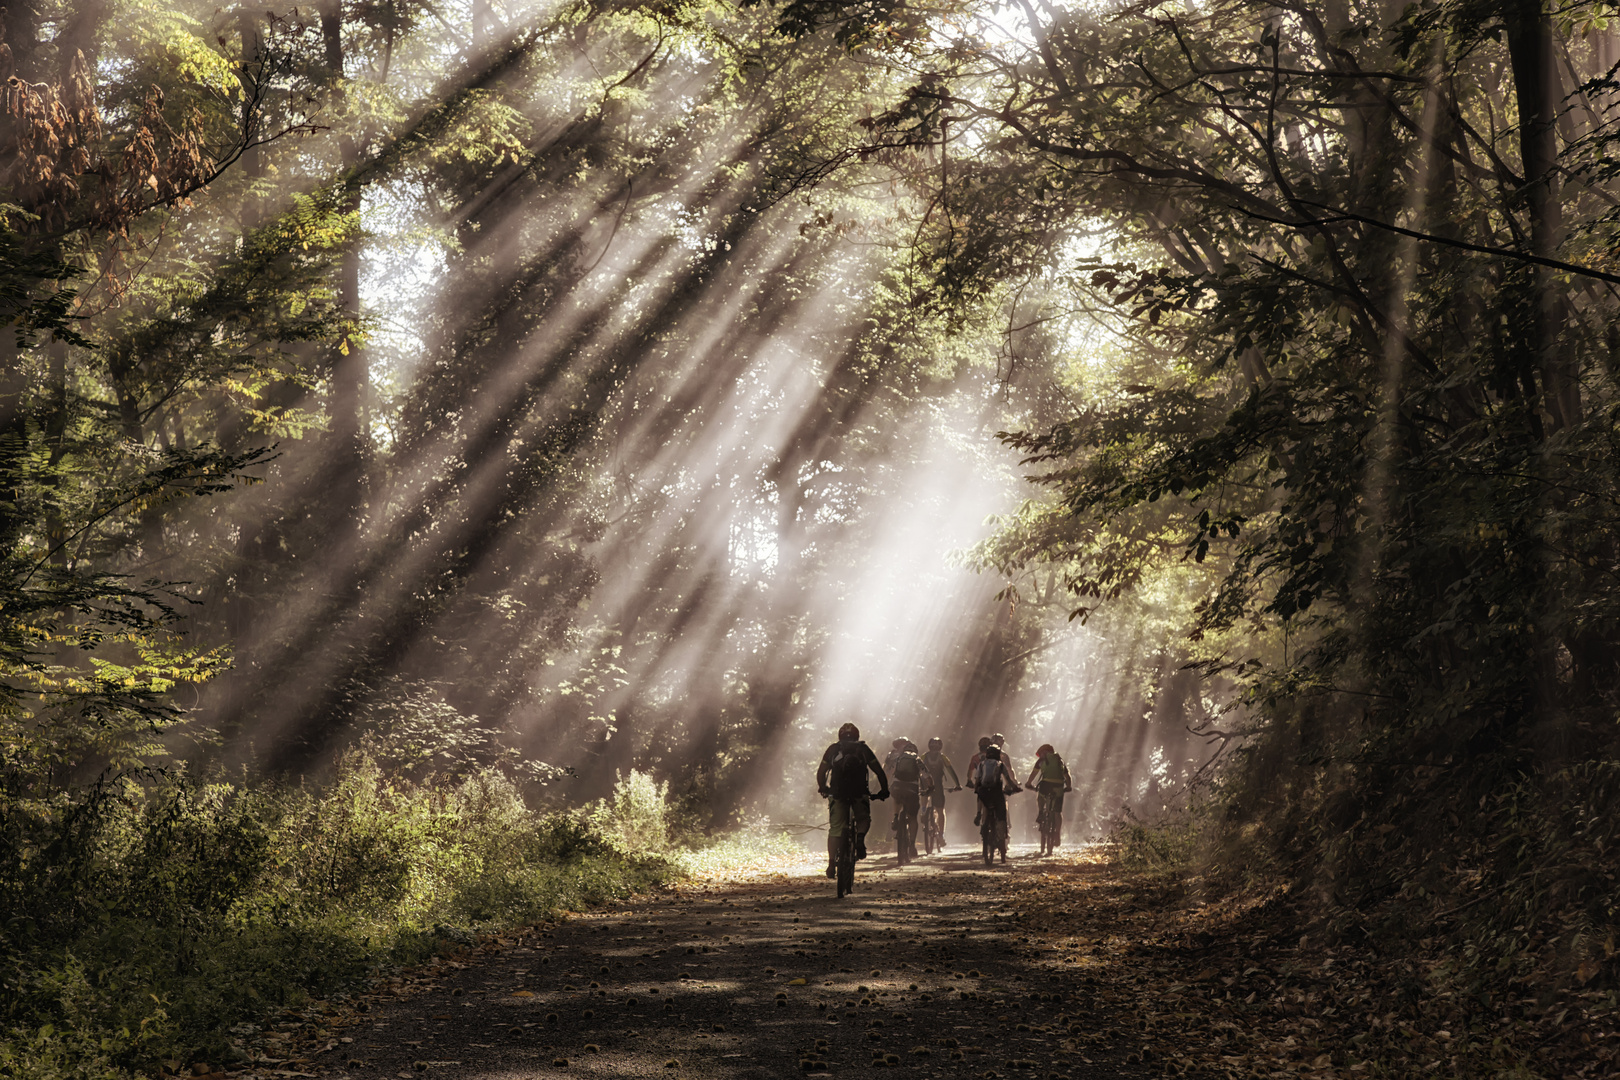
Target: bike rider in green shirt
841,779
1054,781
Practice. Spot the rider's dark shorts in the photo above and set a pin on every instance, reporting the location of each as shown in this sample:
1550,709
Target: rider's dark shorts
936,797
905,796
839,812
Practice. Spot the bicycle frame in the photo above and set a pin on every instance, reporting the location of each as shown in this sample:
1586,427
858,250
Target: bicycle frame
993,831
845,866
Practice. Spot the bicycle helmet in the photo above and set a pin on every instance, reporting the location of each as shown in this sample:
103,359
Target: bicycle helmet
911,746
849,731
1046,748
999,739
936,743
898,744
984,741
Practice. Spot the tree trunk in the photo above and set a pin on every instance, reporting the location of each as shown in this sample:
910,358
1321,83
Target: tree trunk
248,29
350,377
19,22
1536,89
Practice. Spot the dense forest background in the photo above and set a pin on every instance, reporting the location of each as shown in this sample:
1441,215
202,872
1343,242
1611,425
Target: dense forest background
534,395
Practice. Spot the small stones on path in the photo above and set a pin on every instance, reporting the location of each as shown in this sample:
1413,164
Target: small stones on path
755,982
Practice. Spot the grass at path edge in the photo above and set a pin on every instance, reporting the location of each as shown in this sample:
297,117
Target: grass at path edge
153,926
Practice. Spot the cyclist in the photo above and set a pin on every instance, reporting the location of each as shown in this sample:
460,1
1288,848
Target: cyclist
938,765
972,771
896,748
992,779
841,779
999,741
909,778
1054,781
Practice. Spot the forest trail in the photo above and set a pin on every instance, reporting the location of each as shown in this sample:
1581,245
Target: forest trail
1066,967
932,969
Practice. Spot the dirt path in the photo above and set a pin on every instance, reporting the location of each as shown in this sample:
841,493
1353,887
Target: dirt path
928,969
1045,968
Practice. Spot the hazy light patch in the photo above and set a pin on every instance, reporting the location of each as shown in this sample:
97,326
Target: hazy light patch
893,615
710,590
894,621
373,562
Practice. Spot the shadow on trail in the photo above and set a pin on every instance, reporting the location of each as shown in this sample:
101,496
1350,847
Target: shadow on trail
926,969
1053,968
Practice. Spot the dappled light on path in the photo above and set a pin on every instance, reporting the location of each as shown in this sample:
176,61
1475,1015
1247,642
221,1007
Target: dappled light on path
1053,968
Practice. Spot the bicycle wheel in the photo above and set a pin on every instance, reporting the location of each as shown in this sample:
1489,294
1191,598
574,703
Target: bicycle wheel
846,862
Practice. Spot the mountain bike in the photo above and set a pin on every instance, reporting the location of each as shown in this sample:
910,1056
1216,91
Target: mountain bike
844,864
933,824
844,858
993,831
905,834
1049,816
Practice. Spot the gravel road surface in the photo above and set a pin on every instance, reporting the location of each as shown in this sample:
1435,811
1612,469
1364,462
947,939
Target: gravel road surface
925,969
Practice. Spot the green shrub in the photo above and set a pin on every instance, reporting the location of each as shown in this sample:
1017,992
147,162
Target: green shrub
146,916
754,846
1168,843
636,816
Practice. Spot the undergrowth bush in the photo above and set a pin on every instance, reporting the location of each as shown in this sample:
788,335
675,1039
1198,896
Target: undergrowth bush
635,817
754,845
1500,873
146,915
1168,842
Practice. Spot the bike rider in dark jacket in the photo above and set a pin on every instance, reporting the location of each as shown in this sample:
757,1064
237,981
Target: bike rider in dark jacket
992,778
910,781
841,779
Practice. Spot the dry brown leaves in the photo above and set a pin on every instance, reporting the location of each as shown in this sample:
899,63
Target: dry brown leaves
314,1038
1230,988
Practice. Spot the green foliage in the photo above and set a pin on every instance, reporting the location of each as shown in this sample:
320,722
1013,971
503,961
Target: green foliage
144,919
746,850
1357,430
1170,844
634,816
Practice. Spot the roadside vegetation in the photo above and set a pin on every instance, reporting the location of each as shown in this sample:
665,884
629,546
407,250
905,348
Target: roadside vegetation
154,916
1496,972
400,396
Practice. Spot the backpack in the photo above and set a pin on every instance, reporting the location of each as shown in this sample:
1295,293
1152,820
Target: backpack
988,775
906,769
847,777
1052,769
